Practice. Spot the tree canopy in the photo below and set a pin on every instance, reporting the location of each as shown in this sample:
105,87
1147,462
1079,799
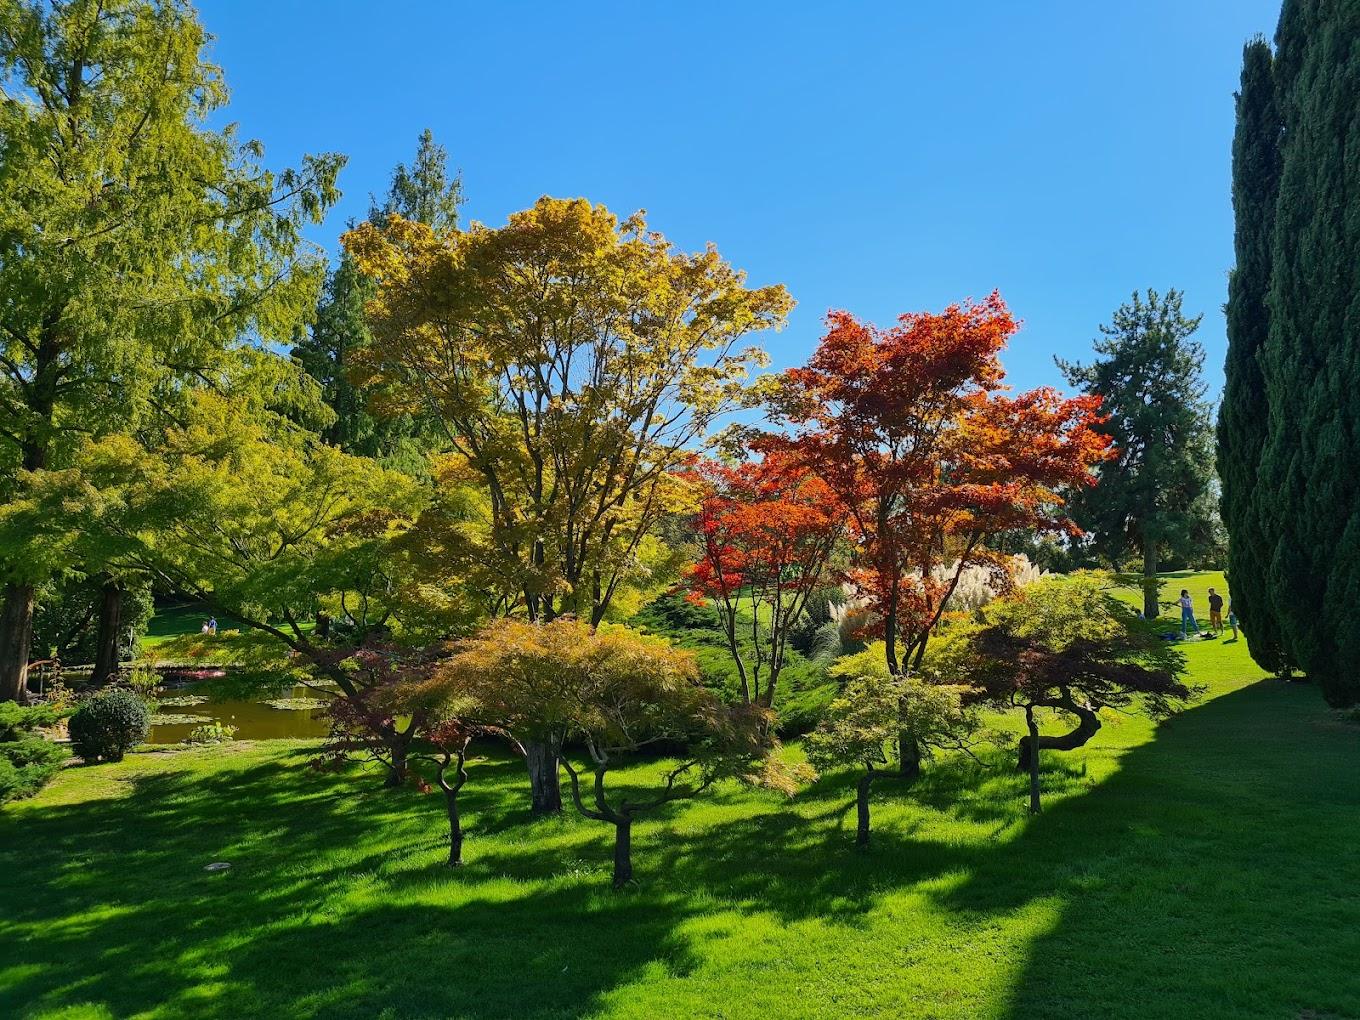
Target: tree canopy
137,241
573,361
1156,496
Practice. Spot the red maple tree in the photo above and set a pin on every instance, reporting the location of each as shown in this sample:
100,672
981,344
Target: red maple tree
767,528
912,431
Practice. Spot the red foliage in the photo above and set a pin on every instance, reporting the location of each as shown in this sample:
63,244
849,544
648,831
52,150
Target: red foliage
767,529
910,429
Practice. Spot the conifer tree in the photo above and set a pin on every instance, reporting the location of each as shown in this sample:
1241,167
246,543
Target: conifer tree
425,192
1243,415
1151,497
1310,464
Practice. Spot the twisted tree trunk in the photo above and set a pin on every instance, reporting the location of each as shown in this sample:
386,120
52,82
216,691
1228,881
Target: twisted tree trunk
908,769
458,759
1088,724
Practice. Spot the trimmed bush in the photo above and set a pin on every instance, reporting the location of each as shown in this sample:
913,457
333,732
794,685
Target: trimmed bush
109,725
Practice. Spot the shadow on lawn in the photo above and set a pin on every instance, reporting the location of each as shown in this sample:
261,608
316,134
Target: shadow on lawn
310,920
1213,875
1205,870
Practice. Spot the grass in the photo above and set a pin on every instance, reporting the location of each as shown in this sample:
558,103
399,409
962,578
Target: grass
174,636
175,621
1201,868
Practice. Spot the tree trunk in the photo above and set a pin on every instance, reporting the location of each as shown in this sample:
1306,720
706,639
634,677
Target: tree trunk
455,829
623,852
16,639
1088,723
862,807
908,770
399,744
1150,586
1034,807
545,786
106,643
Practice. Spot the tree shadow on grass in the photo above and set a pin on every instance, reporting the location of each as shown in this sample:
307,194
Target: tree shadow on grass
326,909
1213,875
1205,871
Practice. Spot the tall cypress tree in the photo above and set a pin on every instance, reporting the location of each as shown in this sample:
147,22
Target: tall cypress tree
1310,466
1242,417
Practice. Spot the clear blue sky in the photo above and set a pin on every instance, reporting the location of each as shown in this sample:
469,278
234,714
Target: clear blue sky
879,157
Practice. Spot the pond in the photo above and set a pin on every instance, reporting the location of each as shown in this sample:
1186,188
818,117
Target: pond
278,714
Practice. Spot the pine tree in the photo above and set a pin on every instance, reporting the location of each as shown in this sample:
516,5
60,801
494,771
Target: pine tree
1243,414
1151,497
1310,466
424,192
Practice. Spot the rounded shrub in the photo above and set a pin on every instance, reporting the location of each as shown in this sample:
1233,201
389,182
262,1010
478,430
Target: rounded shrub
108,725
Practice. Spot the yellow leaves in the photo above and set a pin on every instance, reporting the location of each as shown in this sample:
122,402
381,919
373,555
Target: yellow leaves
576,361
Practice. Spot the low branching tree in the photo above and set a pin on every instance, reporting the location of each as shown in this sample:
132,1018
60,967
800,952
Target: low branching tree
451,739
1070,646
639,691
616,692
865,724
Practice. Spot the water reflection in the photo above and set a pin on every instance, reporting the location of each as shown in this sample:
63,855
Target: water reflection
252,716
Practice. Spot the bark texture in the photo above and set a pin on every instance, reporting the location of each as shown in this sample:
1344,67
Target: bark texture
16,637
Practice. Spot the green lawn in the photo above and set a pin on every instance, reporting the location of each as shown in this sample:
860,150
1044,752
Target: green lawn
164,642
1202,868
171,622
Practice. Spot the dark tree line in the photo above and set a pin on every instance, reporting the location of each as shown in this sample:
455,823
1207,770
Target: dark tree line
1289,447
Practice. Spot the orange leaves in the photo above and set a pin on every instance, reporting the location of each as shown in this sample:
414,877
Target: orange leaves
767,522
910,430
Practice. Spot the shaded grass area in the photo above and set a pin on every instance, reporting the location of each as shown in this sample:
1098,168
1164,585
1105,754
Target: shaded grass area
1204,868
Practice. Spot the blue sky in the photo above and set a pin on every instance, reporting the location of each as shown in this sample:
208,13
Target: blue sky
879,157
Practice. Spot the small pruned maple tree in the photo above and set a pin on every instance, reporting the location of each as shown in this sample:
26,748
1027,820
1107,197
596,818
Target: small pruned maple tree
766,529
450,739
372,719
865,724
1065,644
611,691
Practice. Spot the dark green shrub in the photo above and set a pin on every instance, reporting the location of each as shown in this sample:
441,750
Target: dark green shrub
27,761
109,725
26,765
804,690
18,721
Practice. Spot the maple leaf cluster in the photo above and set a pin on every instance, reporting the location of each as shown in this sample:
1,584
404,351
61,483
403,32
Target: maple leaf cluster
908,439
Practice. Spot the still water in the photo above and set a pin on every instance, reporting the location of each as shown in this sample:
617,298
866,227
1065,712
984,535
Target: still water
254,719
